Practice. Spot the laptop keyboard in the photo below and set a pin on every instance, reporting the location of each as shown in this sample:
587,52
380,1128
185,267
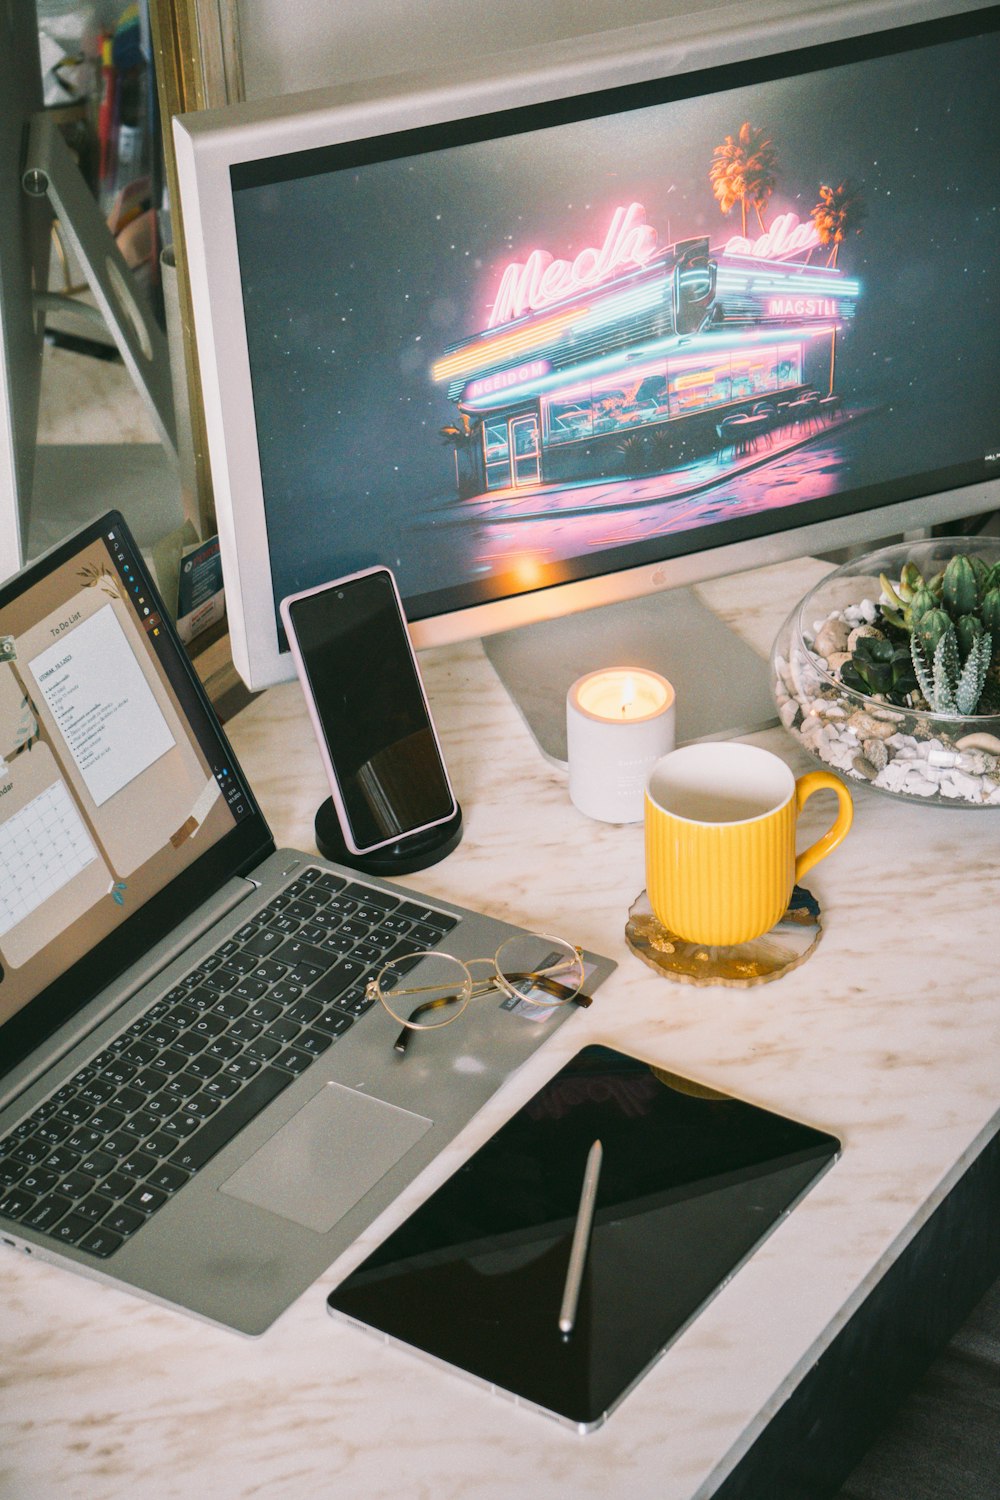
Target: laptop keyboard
92,1164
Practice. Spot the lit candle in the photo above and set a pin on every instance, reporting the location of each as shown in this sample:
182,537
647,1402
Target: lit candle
619,721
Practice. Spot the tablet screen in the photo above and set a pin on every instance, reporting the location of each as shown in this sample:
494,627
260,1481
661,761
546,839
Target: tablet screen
690,1182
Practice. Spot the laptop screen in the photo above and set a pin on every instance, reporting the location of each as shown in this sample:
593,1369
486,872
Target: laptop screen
120,804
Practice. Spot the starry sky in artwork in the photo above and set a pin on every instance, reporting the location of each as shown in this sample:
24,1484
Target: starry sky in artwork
358,277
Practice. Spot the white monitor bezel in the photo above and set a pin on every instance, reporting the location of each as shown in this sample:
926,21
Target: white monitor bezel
209,143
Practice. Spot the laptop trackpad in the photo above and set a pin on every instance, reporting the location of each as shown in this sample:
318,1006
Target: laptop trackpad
327,1157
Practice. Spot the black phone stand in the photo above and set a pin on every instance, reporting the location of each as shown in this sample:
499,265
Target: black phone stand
415,852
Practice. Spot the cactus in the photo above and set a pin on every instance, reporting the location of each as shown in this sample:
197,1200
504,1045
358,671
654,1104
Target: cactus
950,685
934,624
960,588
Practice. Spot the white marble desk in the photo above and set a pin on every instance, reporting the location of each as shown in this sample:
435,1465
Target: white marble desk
888,1036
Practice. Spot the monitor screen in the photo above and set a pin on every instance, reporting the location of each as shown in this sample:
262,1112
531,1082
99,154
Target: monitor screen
554,343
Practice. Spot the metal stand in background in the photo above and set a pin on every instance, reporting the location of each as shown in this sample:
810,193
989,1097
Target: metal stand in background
73,481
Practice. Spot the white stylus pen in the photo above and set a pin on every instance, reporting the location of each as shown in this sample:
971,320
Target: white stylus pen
581,1239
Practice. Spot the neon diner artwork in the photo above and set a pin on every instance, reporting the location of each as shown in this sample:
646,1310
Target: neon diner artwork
637,357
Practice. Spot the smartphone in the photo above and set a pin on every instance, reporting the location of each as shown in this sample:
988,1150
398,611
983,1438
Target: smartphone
359,673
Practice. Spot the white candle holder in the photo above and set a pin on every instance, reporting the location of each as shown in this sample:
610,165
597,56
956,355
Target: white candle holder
619,721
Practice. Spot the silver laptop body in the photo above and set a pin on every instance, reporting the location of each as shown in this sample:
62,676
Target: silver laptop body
137,878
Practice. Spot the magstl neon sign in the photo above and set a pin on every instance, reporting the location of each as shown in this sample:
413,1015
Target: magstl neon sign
537,282
801,307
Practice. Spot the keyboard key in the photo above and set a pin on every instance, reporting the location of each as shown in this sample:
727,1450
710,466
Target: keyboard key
117,1185
224,1048
86,1139
204,1066
355,1003
372,896
16,1203
62,1160
190,1043
327,881
202,1106
106,1119
46,1212
296,955
264,942
333,1022
93,1208
31,1151
124,1221
169,1178
283,993
269,970
338,979
98,1090
38,1180
101,1242
264,1011
250,989
139,1052
283,1030
230,1120
11,1170
263,1049
97,1163
221,981
314,1042
55,1130
242,1067
77,1185
229,1008
71,1229
146,1200
303,1011
139,1164
245,1030
294,1061
221,1087
129,1100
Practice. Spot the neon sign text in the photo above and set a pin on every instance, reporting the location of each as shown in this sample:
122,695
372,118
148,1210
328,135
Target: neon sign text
786,236
541,280
802,307
489,383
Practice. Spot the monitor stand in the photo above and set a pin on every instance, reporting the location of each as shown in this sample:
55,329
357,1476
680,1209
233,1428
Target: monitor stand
722,685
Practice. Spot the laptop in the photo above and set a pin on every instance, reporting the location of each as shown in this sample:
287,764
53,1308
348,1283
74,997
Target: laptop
198,1098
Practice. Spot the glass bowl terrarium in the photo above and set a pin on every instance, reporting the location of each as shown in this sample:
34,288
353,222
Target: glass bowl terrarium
888,671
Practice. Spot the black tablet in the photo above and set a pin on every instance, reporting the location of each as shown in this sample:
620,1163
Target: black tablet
690,1182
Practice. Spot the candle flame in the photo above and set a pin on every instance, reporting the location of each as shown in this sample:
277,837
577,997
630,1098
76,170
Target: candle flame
628,694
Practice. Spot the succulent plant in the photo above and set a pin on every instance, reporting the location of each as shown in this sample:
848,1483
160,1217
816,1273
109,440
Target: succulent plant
948,628
880,668
951,685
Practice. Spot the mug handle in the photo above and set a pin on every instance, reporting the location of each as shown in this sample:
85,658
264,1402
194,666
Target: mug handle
805,786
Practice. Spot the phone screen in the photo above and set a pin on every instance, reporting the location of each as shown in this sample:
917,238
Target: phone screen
357,657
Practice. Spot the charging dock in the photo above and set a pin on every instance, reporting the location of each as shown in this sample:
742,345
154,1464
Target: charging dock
415,852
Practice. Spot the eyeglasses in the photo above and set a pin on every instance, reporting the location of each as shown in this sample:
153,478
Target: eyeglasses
532,968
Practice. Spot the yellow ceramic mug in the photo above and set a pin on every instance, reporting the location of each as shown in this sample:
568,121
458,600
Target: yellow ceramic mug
720,839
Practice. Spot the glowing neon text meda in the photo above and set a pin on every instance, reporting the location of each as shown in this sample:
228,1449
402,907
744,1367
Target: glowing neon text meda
540,280
787,236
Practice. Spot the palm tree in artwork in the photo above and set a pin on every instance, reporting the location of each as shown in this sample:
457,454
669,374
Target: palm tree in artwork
840,211
744,170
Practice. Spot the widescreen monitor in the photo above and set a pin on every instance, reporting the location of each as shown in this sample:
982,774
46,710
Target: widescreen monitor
542,339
